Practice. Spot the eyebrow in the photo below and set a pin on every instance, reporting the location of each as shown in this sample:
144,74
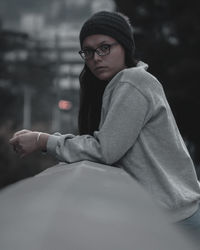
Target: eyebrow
101,43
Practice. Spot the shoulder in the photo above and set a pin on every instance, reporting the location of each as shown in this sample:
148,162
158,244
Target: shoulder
139,77
136,77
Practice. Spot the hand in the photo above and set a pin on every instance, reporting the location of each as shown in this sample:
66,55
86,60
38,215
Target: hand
25,142
23,131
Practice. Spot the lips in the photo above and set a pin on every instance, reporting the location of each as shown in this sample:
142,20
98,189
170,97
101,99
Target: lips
100,68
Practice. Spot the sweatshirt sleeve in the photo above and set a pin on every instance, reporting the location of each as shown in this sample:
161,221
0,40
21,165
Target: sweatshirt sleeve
123,122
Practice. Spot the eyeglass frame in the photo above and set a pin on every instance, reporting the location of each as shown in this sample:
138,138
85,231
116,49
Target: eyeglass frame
96,51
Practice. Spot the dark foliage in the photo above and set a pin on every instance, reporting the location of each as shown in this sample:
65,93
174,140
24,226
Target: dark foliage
167,35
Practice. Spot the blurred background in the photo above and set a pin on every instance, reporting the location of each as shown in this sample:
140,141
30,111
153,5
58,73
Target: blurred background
40,65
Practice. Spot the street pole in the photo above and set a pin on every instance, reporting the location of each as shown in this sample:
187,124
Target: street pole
27,107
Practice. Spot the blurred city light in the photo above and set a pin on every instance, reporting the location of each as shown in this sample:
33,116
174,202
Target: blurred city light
64,105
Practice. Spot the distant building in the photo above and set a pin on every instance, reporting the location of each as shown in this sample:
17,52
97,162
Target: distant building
97,5
55,37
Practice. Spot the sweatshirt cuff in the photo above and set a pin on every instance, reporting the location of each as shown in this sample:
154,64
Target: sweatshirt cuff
52,143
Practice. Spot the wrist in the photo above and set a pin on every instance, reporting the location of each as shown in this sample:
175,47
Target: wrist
42,139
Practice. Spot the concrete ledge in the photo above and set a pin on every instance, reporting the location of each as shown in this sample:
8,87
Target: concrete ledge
83,206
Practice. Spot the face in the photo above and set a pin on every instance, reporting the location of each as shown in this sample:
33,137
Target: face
107,66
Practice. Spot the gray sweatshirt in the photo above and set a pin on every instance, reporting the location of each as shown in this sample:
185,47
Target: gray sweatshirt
138,133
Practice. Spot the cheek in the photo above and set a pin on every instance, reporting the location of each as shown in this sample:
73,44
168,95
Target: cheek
118,61
119,56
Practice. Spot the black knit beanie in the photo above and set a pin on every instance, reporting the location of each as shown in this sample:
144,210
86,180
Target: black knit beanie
111,24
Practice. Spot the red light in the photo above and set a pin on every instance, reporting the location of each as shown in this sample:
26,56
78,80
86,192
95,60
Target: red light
64,105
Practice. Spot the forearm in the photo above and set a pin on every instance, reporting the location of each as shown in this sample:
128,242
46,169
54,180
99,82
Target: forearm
71,148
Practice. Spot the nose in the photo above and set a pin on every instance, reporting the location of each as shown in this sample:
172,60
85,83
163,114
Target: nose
96,57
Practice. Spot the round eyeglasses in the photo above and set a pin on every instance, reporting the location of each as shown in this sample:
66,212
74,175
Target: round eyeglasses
102,50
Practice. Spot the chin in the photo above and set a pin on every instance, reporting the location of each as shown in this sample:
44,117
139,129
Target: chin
104,77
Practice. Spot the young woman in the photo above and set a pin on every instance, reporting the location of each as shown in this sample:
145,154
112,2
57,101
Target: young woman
124,121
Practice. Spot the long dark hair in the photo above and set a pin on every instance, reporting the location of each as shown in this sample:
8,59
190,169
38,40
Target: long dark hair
91,93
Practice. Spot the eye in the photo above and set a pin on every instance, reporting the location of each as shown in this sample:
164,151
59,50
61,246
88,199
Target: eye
104,47
87,52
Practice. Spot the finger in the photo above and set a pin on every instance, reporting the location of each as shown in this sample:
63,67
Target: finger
23,131
13,140
18,150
